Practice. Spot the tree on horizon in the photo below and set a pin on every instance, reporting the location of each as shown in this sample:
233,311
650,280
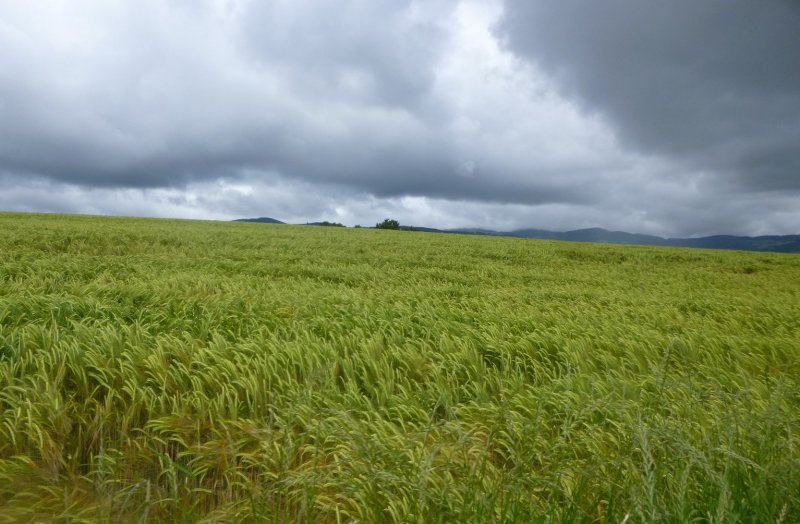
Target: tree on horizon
388,223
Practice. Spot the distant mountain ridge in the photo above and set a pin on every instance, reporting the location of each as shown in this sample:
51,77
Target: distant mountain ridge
777,243
263,220
772,243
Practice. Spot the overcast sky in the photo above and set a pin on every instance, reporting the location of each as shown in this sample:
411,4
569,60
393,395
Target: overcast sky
678,118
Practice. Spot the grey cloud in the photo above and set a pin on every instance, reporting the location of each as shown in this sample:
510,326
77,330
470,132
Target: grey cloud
355,93
355,110
671,210
713,84
379,53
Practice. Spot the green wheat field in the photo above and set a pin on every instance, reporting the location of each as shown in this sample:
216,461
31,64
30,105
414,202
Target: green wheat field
187,371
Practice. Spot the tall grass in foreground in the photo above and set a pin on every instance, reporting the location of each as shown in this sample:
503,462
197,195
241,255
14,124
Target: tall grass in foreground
160,371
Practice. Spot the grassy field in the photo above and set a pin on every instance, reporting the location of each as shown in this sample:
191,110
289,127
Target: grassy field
164,370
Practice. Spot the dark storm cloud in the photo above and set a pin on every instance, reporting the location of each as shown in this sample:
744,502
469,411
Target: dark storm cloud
362,94
659,119
714,84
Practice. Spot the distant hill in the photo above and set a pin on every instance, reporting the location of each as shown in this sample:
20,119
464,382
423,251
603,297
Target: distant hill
594,234
475,231
783,244
773,243
424,229
263,220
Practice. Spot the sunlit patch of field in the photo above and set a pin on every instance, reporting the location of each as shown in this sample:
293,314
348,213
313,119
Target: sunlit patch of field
161,370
